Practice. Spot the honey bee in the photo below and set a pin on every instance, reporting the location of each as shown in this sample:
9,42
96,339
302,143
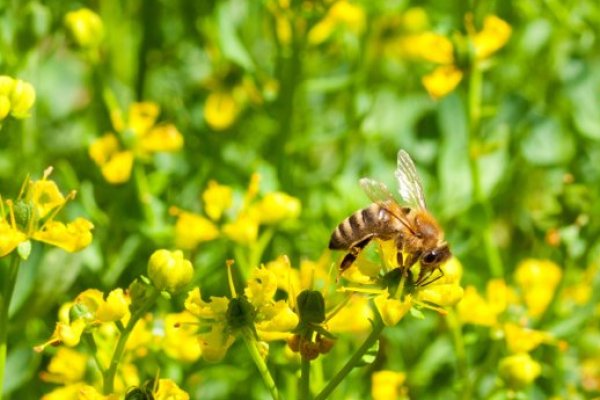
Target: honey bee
407,222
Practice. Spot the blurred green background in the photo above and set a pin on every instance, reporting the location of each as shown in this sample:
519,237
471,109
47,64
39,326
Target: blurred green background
312,118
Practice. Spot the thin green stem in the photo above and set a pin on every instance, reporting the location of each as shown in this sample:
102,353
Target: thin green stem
305,379
10,280
109,374
461,355
378,327
474,115
250,342
88,338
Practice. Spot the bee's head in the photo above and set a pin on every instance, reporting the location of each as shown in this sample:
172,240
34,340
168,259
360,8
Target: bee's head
436,256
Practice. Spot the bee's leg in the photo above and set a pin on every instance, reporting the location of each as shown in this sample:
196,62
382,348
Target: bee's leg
423,278
354,251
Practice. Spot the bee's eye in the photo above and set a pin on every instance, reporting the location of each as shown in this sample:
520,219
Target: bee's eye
429,257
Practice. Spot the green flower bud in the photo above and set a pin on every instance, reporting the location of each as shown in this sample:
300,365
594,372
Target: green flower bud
22,99
23,213
84,28
311,307
169,271
240,313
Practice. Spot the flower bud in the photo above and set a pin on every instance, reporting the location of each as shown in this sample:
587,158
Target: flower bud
84,27
169,271
22,99
311,307
519,370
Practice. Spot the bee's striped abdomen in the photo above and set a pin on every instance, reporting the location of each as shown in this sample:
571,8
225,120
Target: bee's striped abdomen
355,228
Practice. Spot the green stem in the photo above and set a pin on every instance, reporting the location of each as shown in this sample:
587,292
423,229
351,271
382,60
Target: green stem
461,355
10,279
378,326
88,338
305,379
144,194
474,115
109,374
250,342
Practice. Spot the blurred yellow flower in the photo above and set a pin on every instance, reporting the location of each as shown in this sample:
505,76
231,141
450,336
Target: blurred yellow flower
491,38
98,310
137,138
221,110
442,80
217,198
31,216
519,370
341,14
392,310
474,309
355,317
275,207
192,229
538,280
388,385
244,230
65,367
180,340
84,27
16,97
523,340
168,390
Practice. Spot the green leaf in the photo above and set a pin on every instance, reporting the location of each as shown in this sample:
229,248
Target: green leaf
229,14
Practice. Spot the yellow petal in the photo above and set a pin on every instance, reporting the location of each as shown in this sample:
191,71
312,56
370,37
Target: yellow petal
180,341
261,287
71,237
66,366
103,148
523,340
118,168
386,385
435,48
519,370
492,37
392,310
215,344
114,308
161,138
217,198
10,238
442,80
142,117
243,230
45,196
220,110
168,390
193,229
276,207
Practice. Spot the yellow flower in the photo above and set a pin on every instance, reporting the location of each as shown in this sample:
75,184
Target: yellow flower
519,370
392,310
139,138
66,366
192,229
16,97
538,280
169,270
84,27
492,37
32,217
442,80
97,309
523,340
341,14
275,207
221,110
244,230
69,392
435,48
355,317
387,385
217,198
168,390
180,338
474,309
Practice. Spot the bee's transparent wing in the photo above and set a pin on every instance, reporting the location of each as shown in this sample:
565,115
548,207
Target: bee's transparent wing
409,184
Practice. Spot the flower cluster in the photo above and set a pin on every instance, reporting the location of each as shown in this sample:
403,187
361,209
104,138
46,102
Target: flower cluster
138,137
191,229
16,97
510,314
32,217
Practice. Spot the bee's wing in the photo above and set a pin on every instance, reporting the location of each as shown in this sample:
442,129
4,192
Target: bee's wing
409,184
380,194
